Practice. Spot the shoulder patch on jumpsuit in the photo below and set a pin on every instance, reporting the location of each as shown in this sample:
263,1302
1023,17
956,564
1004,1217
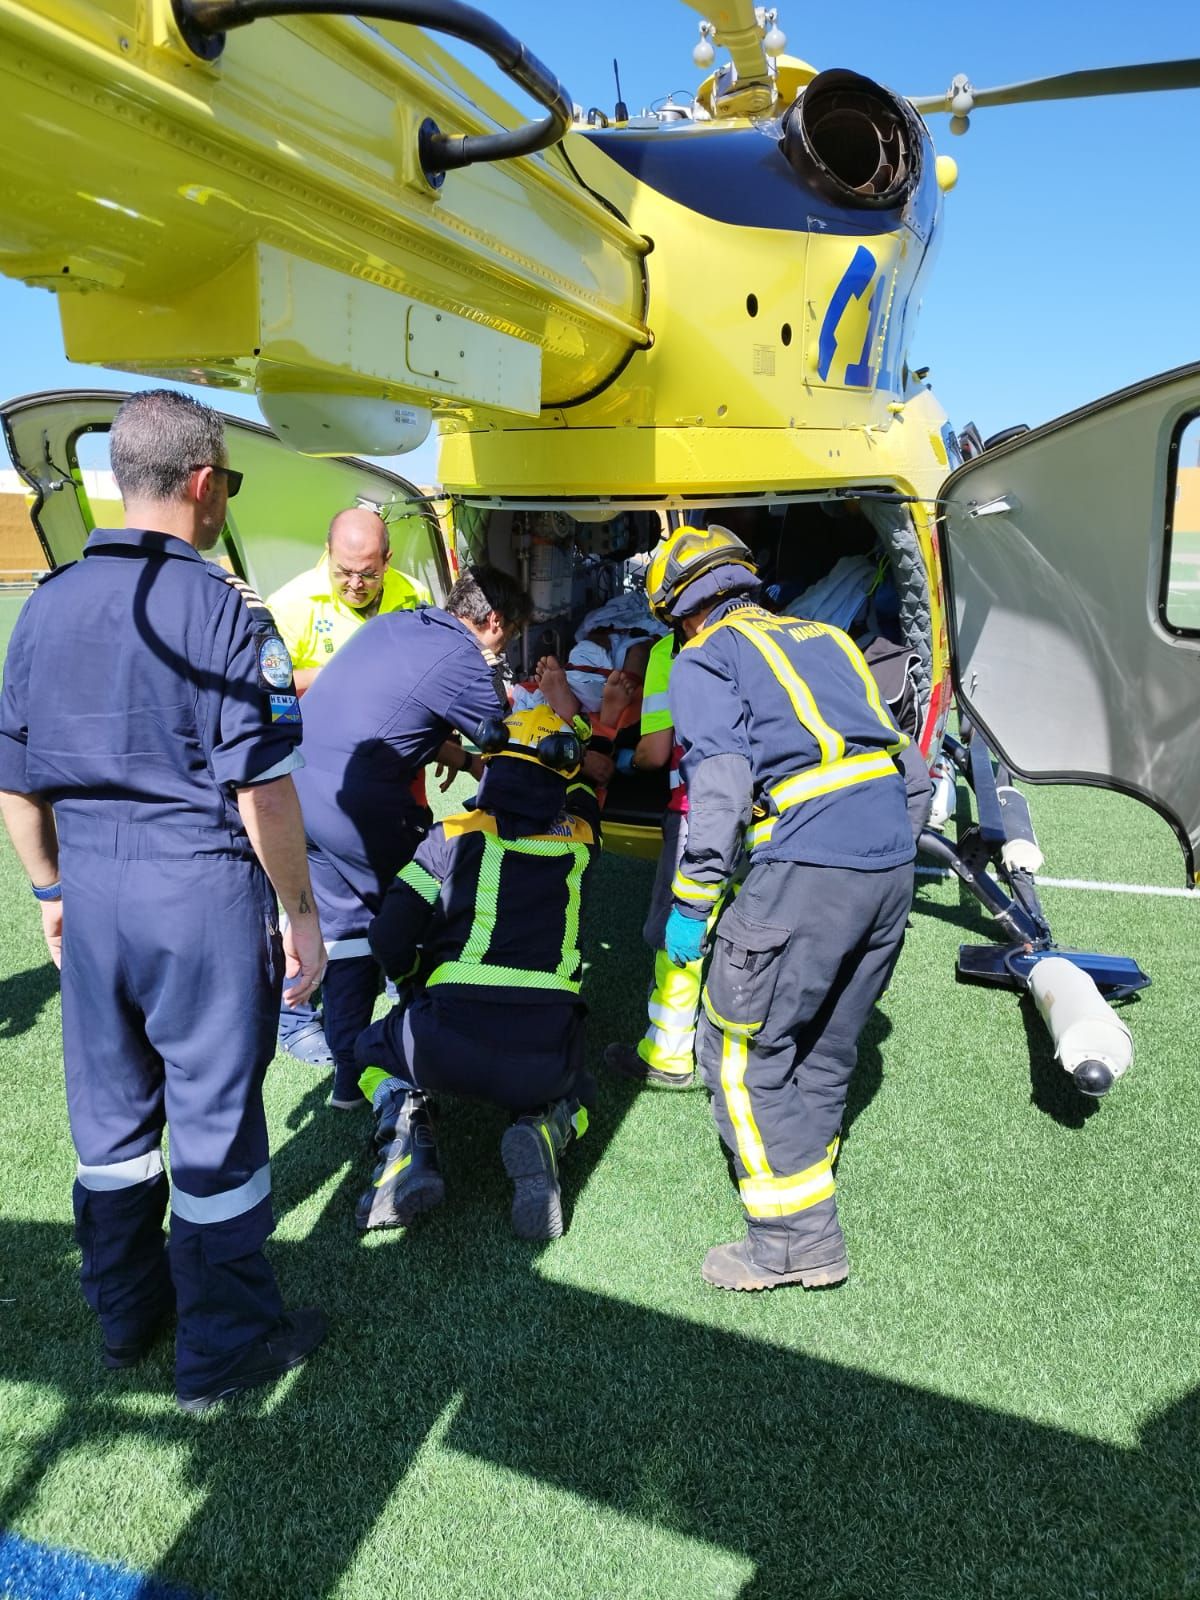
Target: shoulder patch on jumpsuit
274,658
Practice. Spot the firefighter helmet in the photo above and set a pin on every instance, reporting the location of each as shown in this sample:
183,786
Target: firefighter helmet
686,555
537,734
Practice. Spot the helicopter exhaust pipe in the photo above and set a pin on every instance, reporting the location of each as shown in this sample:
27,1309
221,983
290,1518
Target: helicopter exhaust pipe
854,141
1091,1044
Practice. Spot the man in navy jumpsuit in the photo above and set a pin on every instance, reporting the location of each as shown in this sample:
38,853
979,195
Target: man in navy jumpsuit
790,753
484,924
148,730
375,715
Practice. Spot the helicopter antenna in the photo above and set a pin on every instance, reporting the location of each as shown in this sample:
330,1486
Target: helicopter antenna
620,110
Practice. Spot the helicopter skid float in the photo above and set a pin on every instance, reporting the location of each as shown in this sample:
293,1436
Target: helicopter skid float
609,322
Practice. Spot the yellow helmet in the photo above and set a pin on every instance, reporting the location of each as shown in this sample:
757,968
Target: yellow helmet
686,555
537,734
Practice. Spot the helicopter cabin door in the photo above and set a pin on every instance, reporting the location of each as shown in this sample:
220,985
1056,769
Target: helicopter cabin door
277,524
1072,556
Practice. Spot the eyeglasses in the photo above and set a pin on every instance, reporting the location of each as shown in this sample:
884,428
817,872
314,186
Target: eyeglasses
233,479
343,576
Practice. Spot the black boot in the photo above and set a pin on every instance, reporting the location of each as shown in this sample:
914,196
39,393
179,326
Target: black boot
531,1150
407,1178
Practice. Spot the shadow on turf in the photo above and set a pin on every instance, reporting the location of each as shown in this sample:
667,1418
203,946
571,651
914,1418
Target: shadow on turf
23,997
827,1481
966,913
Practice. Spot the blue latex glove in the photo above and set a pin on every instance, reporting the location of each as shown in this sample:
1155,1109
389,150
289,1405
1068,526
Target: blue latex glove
684,938
624,759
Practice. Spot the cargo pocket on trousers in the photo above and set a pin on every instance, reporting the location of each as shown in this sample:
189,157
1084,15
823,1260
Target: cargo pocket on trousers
744,971
272,939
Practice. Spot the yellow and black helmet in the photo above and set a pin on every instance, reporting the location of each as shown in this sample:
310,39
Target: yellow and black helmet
686,555
537,734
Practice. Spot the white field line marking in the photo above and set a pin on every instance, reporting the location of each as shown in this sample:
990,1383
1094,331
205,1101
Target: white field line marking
1085,883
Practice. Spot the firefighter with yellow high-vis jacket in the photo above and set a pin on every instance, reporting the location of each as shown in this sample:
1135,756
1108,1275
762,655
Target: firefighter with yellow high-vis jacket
789,753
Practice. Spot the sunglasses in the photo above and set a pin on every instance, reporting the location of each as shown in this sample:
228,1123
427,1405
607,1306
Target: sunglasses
233,478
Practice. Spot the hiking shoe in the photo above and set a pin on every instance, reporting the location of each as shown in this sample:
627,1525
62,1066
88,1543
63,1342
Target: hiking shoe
291,1342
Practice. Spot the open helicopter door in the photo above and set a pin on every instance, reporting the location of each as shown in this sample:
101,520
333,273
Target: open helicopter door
1072,557
277,524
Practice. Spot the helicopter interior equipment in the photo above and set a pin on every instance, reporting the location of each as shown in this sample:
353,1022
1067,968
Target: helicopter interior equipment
610,322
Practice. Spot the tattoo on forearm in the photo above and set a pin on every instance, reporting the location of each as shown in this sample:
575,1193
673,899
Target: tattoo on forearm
305,904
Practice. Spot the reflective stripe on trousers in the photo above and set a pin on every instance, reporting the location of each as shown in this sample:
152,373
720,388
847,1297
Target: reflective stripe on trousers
227,1205
210,1208
670,1037
120,1174
765,1193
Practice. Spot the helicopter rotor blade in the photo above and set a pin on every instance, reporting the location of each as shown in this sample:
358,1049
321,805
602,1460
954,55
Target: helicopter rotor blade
1149,76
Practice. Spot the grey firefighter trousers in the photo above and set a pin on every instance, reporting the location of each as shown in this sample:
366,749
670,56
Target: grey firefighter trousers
799,959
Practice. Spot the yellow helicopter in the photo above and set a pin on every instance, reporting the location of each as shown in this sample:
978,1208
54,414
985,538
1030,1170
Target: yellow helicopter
612,322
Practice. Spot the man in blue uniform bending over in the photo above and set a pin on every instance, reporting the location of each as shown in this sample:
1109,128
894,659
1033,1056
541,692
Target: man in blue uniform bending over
148,732
375,715
484,922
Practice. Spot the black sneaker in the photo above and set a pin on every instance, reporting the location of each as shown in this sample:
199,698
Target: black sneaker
292,1341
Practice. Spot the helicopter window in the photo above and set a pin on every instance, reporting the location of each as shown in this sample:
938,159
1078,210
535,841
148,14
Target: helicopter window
100,499
785,333
751,305
1180,605
98,494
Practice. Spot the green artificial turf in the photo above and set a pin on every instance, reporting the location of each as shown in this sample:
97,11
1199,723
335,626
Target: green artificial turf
1002,1402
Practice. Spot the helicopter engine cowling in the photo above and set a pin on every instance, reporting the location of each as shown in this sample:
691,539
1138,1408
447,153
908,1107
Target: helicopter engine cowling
854,140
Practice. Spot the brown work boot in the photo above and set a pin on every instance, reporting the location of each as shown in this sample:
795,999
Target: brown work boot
731,1266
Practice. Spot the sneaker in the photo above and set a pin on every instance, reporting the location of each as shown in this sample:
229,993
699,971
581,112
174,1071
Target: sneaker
291,1342
345,1094
624,1059
728,1266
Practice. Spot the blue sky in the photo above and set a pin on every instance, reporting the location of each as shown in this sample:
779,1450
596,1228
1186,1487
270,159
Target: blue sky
1070,249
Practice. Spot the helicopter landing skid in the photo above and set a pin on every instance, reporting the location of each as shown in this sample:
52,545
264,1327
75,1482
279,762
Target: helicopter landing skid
1070,988
1011,966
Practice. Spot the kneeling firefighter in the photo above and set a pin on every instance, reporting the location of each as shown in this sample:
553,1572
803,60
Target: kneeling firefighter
484,925
788,749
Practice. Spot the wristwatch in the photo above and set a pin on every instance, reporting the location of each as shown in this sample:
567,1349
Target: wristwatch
51,891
